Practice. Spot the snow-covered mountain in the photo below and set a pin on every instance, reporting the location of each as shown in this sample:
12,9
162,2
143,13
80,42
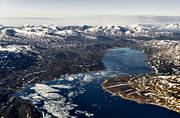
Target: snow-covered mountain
111,30
170,27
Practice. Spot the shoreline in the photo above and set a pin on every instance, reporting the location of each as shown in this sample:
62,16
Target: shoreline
125,98
120,94
86,60
155,62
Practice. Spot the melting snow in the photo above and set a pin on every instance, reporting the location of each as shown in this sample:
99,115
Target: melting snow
15,48
62,86
49,97
70,78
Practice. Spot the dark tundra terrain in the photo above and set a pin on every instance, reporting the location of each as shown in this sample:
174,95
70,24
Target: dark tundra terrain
32,54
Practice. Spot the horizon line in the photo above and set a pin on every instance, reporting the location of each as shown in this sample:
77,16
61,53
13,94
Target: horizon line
32,17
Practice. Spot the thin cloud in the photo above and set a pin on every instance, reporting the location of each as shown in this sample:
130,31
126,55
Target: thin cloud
92,20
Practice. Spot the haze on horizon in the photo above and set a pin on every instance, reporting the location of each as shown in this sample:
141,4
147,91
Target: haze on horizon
93,12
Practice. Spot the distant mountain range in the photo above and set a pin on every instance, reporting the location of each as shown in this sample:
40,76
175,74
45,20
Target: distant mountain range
90,31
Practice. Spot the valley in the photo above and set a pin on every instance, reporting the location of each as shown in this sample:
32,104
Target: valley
33,54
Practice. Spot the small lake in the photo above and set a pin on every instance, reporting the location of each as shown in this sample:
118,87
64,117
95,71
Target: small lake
82,95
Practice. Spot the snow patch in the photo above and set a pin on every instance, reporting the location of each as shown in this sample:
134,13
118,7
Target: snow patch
70,78
62,86
15,48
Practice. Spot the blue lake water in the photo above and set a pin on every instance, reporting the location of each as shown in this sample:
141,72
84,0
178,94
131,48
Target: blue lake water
88,95
108,106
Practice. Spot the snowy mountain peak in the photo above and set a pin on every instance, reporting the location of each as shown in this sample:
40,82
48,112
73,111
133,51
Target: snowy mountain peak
172,26
61,31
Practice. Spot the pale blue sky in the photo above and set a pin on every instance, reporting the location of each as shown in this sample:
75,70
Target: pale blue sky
83,9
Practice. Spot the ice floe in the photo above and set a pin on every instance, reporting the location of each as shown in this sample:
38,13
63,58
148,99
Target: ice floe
50,98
